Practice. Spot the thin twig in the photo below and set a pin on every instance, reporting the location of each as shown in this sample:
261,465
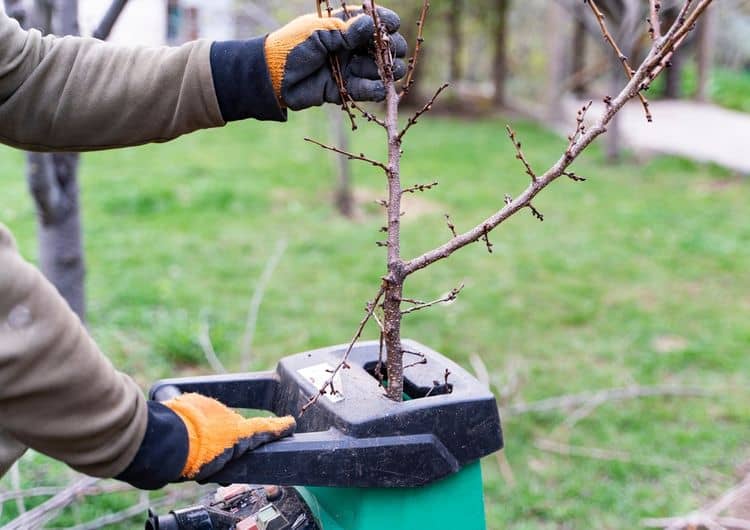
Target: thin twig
450,297
366,114
486,238
654,20
350,156
371,306
623,58
419,187
674,38
416,363
580,128
409,79
255,302
426,108
519,153
335,65
451,226
536,213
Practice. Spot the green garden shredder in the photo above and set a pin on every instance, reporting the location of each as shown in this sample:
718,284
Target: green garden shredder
358,460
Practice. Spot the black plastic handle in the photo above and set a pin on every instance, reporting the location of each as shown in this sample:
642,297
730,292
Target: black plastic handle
331,458
325,458
247,391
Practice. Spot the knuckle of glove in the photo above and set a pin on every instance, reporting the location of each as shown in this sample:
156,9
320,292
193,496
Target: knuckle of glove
216,433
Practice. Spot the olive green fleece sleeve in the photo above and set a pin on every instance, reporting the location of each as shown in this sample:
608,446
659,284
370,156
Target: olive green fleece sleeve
79,94
58,393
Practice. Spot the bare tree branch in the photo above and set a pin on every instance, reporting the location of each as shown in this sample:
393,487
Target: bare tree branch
350,156
450,297
519,153
328,384
426,108
654,20
409,80
623,58
653,60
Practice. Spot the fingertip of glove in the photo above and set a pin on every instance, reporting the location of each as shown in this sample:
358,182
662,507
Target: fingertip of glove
359,31
361,89
289,425
389,19
399,69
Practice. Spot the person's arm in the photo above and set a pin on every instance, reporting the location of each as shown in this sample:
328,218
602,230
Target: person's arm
79,94
59,395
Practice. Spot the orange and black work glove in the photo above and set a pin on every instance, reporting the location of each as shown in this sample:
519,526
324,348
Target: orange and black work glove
290,68
299,57
218,435
193,437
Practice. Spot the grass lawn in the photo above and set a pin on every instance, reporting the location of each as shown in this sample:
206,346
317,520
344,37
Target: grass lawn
637,276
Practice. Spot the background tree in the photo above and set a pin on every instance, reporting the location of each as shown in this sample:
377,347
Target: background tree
499,17
53,177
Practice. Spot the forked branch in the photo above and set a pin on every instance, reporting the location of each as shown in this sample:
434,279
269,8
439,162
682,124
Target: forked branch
390,297
583,137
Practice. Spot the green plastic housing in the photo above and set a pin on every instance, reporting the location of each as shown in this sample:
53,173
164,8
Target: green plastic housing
454,502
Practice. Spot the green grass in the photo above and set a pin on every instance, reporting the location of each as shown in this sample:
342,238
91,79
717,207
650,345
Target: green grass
181,232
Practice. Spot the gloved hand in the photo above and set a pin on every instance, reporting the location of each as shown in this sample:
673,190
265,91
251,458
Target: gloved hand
297,57
217,434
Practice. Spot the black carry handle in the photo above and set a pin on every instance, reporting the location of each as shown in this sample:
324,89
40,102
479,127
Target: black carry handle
324,458
256,390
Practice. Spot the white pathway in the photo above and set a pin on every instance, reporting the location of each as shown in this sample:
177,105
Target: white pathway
702,132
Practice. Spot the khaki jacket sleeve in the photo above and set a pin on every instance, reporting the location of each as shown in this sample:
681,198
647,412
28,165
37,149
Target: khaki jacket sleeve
79,94
58,393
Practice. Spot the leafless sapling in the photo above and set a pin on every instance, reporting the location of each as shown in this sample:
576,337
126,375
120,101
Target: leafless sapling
387,307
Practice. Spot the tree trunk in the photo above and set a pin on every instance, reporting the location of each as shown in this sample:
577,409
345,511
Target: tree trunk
578,58
673,78
53,183
555,37
500,59
613,144
455,40
705,56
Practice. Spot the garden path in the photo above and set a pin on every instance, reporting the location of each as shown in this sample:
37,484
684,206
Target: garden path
699,131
